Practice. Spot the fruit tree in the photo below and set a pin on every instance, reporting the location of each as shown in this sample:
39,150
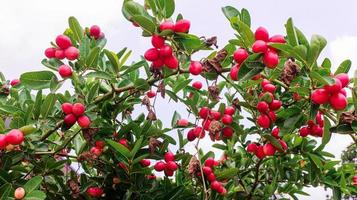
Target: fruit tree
268,103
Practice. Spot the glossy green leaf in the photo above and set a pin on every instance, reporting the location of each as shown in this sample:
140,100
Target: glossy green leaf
344,67
113,58
230,12
92,58
37,80
33,184
145,23
76,28
48,104
119,148
290,31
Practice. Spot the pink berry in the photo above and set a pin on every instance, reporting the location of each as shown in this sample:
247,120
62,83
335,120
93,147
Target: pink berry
63,41
59,54
151,54
229,110
252,147
263,121
95,31
165,51
182,26
65,71
240,55
277,39
67,108
271,59
157,41
343,79
50,52
269,149
261,34
171,62
167,25
14,82
14,137
338,101
78,109
83,121
151,94
159,166
204,112
259,46
275,132
69,120
275,105
320,96
334,88
262,107
169,156
197,85
227,132
234,72
195,68
71,53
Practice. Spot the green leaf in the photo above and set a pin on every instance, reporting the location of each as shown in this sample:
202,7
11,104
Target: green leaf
344,67
76,28
227,173
99,75
188,41
123,60
131,8
113,58
32,184
136,147
92,58
301,38
37,80
48,104
38,104
327,134
119,148
145,23
169,8
290,31
174,119
316,160
230,12
180,85
245,16
274,141
141,84
244,31
5,191
249,69
326,80
35,195
93,92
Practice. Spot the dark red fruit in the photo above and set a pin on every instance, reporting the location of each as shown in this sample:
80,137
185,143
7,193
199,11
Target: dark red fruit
167,25
304,131
275,132
252,147
169,156
269,149
71,53
151,54
63,41
227,132
171,62
206,124
264,82
209,162
157,64
159,166
65,71
151,94
234,72
171,165
334,88
240,55
168,172
275,105
191,135
211,177
100,144
83,121
215,185
165,51
277,39
229,110
271,59
78,109
15,82
124,142
145,162
3,142
197,85
317,131
261,34
157,41
263,121
206,170
69,120
343,91
95,31
269,88
182,26
95,192
14,137
204,112
259,46
215,115
262,107
199,132
272,116
96,151
259,152
343,79
338,101
320,96
59,54
50,52
67,108
195,68
283,145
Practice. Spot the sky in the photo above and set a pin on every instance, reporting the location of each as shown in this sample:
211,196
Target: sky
27,27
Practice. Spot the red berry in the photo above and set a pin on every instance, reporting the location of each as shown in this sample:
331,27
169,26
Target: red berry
259,46
319,119
335,88
157,64
269,88
215,185
252,147
195,68
229,110
151,54
145,162
165,51
259,152
209,162
101,35
157,41
304,131
182,122
14,137
207,170
227,132
257,77
271,59
266,96
167,25
343,91
275,105
263,121
296,96
275,132
197,85
171,62
206,124
123,166
211,177
269,149
63,41
78,109
191,135
151,94
343,79
65,71
169,156
95,31
338,101
227,119
182,26
272,116
83,121
277,39
240,55
19,193
159,166
67,108
222,191
264,82
100,144
70,119
3,142
262,106
71,53
96,151
151,177
50,52
124,142
317,131
59,54
95,192
15,82
261,34
320,96
215,115
168,172
199,132
234,72
204,112
283,145
171,165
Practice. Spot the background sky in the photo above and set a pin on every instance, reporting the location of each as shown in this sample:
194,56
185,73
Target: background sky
27,27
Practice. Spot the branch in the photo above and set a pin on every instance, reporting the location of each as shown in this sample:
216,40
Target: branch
256,181
49,132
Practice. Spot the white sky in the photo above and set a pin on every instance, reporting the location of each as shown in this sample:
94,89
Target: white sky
27,27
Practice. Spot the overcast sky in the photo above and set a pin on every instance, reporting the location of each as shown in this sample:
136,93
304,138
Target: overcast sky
27,27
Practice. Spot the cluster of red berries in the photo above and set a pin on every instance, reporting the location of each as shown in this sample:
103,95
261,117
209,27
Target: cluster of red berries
208,171
95,191
312,128
75,113
334,94
98,148
208,116
13,137
161,54
64,49
268,149
268,105
270,57
181,26
95,32
169,166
